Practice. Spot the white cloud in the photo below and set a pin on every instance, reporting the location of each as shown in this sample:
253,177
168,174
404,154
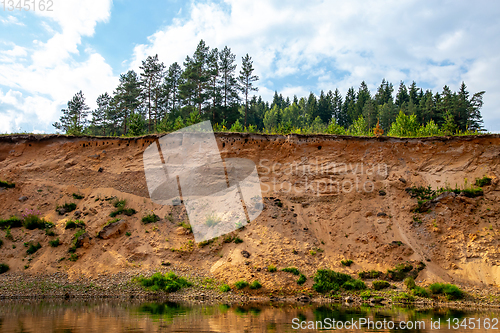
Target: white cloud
11,20
368,40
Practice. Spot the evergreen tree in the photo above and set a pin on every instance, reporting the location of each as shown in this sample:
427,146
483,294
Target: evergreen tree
475,120
151,77
363,97
74,118
340,117
384,93
229,85
100,115
324,109
370,113
214,89
402,96
246,80
126,97
349,107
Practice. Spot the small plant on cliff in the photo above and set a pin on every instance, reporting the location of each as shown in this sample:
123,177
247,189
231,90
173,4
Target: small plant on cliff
1,243
33,248
485,181
451,291
302,279
74,224
4,268
271,268
212,220
73,257
255,285
240,284
327,280
77,196
8,235
66,208
120,208
225,288
186,226
168,282
5,184
31,220
55,242
347,262
292,270
150,218
11,222
380,284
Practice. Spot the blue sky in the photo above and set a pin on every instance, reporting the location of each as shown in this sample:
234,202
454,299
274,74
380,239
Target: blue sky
297,47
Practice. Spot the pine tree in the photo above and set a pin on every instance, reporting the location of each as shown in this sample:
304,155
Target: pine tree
349,107
340,117
229,84
402,96
363,97
214,84
100,115
74,118
126,97
475,120
246,80
151,77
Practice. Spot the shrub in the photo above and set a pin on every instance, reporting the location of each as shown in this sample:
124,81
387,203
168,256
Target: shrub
1,243
55,242
237,240
74,224
33,248
410,283
451,291
11,222
373,274
77,196
292,270
225,288
5,184
4,268
49,232
186,226
150,218
32,220
255,285
271,268
380,284
168,282
347,263
120,208
76,236
128,234
366,295
472,192
302,279
420,292
403,298
8,235
436,288
485,181
73,257
399,272
327,280
66,208
404,126
241,284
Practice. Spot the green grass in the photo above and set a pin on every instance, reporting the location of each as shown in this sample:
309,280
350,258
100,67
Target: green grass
380,284
255,285
73,257
451,291
4,268
33,248
33,221
237,240
74,224
241,284
49,232
302,279
410,283
292,270
150,218
271,268
120,208
128,234
77,196
67,207
403,298
168,282
485,181
185,226
373,274
327,280
76,236
420,292
11,222
347,262
5,184
225,288
55,242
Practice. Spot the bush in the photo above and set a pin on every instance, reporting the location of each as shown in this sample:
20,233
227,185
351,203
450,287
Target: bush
76,236
271,268
32,220
168,282
327,280
120,208
409,283
225,288
302,279
347,263
128,234
241,284
404,126
472,192
77,196
420,292
74,224
11,222
436,288
33,248
403,298
186,226
4,268
485,181
380,284
255,285
49,232
292,270
73,257
55,242
5,184
451,291
66,208
237,240
373,274
399,272
366,295
150,218
1,243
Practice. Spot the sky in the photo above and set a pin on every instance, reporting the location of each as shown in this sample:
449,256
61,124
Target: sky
297,47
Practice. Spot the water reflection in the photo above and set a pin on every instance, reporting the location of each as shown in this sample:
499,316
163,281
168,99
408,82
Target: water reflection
114,316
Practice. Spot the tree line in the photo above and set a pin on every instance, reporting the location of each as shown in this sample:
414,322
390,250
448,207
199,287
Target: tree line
209,87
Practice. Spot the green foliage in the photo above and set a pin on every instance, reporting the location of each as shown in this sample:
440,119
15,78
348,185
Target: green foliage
225,288
150,218
485,181
410,283
451,291
120,208
66,208
237,240
404,126
168,282
236,127
327,280
212,220
136,124
472,192
11,222
347,262
5,184
403,298
78,196
73,257
33,248
399,272
55,242
240,284
302,279
185,226
420,292
32,220
271,268
359,128
8,235
365,295
292,270
255,285
4,268
128,234
74,224
373,274
1,243
380,284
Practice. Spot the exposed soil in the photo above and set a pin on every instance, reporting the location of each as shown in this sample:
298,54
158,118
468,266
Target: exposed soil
307,221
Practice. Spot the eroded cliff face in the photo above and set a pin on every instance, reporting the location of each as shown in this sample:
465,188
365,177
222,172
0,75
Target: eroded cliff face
327,198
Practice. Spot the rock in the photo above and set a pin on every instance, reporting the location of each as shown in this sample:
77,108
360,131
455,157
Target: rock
376,300
77,213
180,231
93,210
402,180
381,214
368,214
100,169
349,299
303,298
166,263
83,240
23,198
245,254
114,229
382,193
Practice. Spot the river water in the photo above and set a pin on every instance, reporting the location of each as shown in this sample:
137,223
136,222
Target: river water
114,316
